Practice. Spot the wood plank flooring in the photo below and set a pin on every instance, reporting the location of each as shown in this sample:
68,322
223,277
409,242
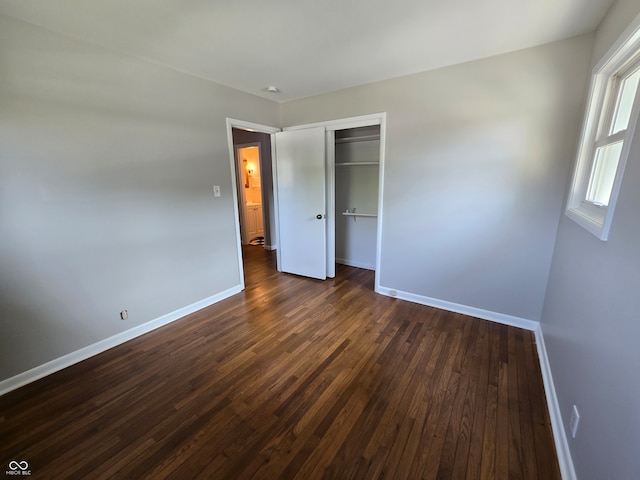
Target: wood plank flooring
294,378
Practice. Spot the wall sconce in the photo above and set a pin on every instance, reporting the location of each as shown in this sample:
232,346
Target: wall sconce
250,168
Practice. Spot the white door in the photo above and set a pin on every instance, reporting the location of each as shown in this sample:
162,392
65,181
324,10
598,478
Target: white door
300,181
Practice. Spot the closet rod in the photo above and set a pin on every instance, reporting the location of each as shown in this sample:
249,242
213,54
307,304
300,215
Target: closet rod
352,214
352,164
361,138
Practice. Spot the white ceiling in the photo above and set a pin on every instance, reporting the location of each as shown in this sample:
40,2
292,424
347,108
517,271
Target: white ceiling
309,47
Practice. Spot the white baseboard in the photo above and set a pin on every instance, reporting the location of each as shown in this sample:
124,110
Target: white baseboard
69,359
350,263
464,309
559,435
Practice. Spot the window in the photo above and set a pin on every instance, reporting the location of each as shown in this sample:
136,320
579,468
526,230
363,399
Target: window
611,118
610,139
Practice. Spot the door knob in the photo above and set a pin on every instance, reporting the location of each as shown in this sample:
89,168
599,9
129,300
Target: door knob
319,216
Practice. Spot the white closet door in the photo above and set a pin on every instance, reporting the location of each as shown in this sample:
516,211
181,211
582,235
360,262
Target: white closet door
300,181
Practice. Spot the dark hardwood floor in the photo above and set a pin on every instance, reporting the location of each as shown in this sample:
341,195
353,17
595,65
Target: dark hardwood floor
294,378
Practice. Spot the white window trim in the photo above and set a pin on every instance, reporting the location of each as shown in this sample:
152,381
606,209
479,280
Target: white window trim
595,219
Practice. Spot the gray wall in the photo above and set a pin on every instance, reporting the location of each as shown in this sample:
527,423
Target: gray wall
591,318
477,159
106,172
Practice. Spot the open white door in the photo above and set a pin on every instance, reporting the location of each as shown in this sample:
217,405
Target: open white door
301,203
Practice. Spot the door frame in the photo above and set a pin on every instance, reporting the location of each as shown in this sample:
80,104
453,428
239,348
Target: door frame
330,128
252,127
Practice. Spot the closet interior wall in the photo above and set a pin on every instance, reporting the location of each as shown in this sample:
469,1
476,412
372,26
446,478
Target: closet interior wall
357,156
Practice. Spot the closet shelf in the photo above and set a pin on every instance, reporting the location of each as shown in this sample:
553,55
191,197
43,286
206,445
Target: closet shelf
361,138
348,164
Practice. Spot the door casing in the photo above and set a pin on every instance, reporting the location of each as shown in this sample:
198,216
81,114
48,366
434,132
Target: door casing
252,127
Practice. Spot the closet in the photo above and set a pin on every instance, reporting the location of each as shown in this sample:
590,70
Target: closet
326,188
357,172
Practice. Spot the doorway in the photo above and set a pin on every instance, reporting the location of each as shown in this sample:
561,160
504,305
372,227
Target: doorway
252,155
250,200
253,185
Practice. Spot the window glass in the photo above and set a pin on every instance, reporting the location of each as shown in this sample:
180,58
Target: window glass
603,174
624,103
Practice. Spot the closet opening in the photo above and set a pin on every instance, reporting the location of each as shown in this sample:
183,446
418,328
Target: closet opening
328,191
356,190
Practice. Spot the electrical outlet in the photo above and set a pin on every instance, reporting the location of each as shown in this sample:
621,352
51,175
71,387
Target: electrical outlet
124,314
216,190
574,421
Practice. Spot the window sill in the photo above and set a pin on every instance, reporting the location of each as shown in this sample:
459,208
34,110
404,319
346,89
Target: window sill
591,218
